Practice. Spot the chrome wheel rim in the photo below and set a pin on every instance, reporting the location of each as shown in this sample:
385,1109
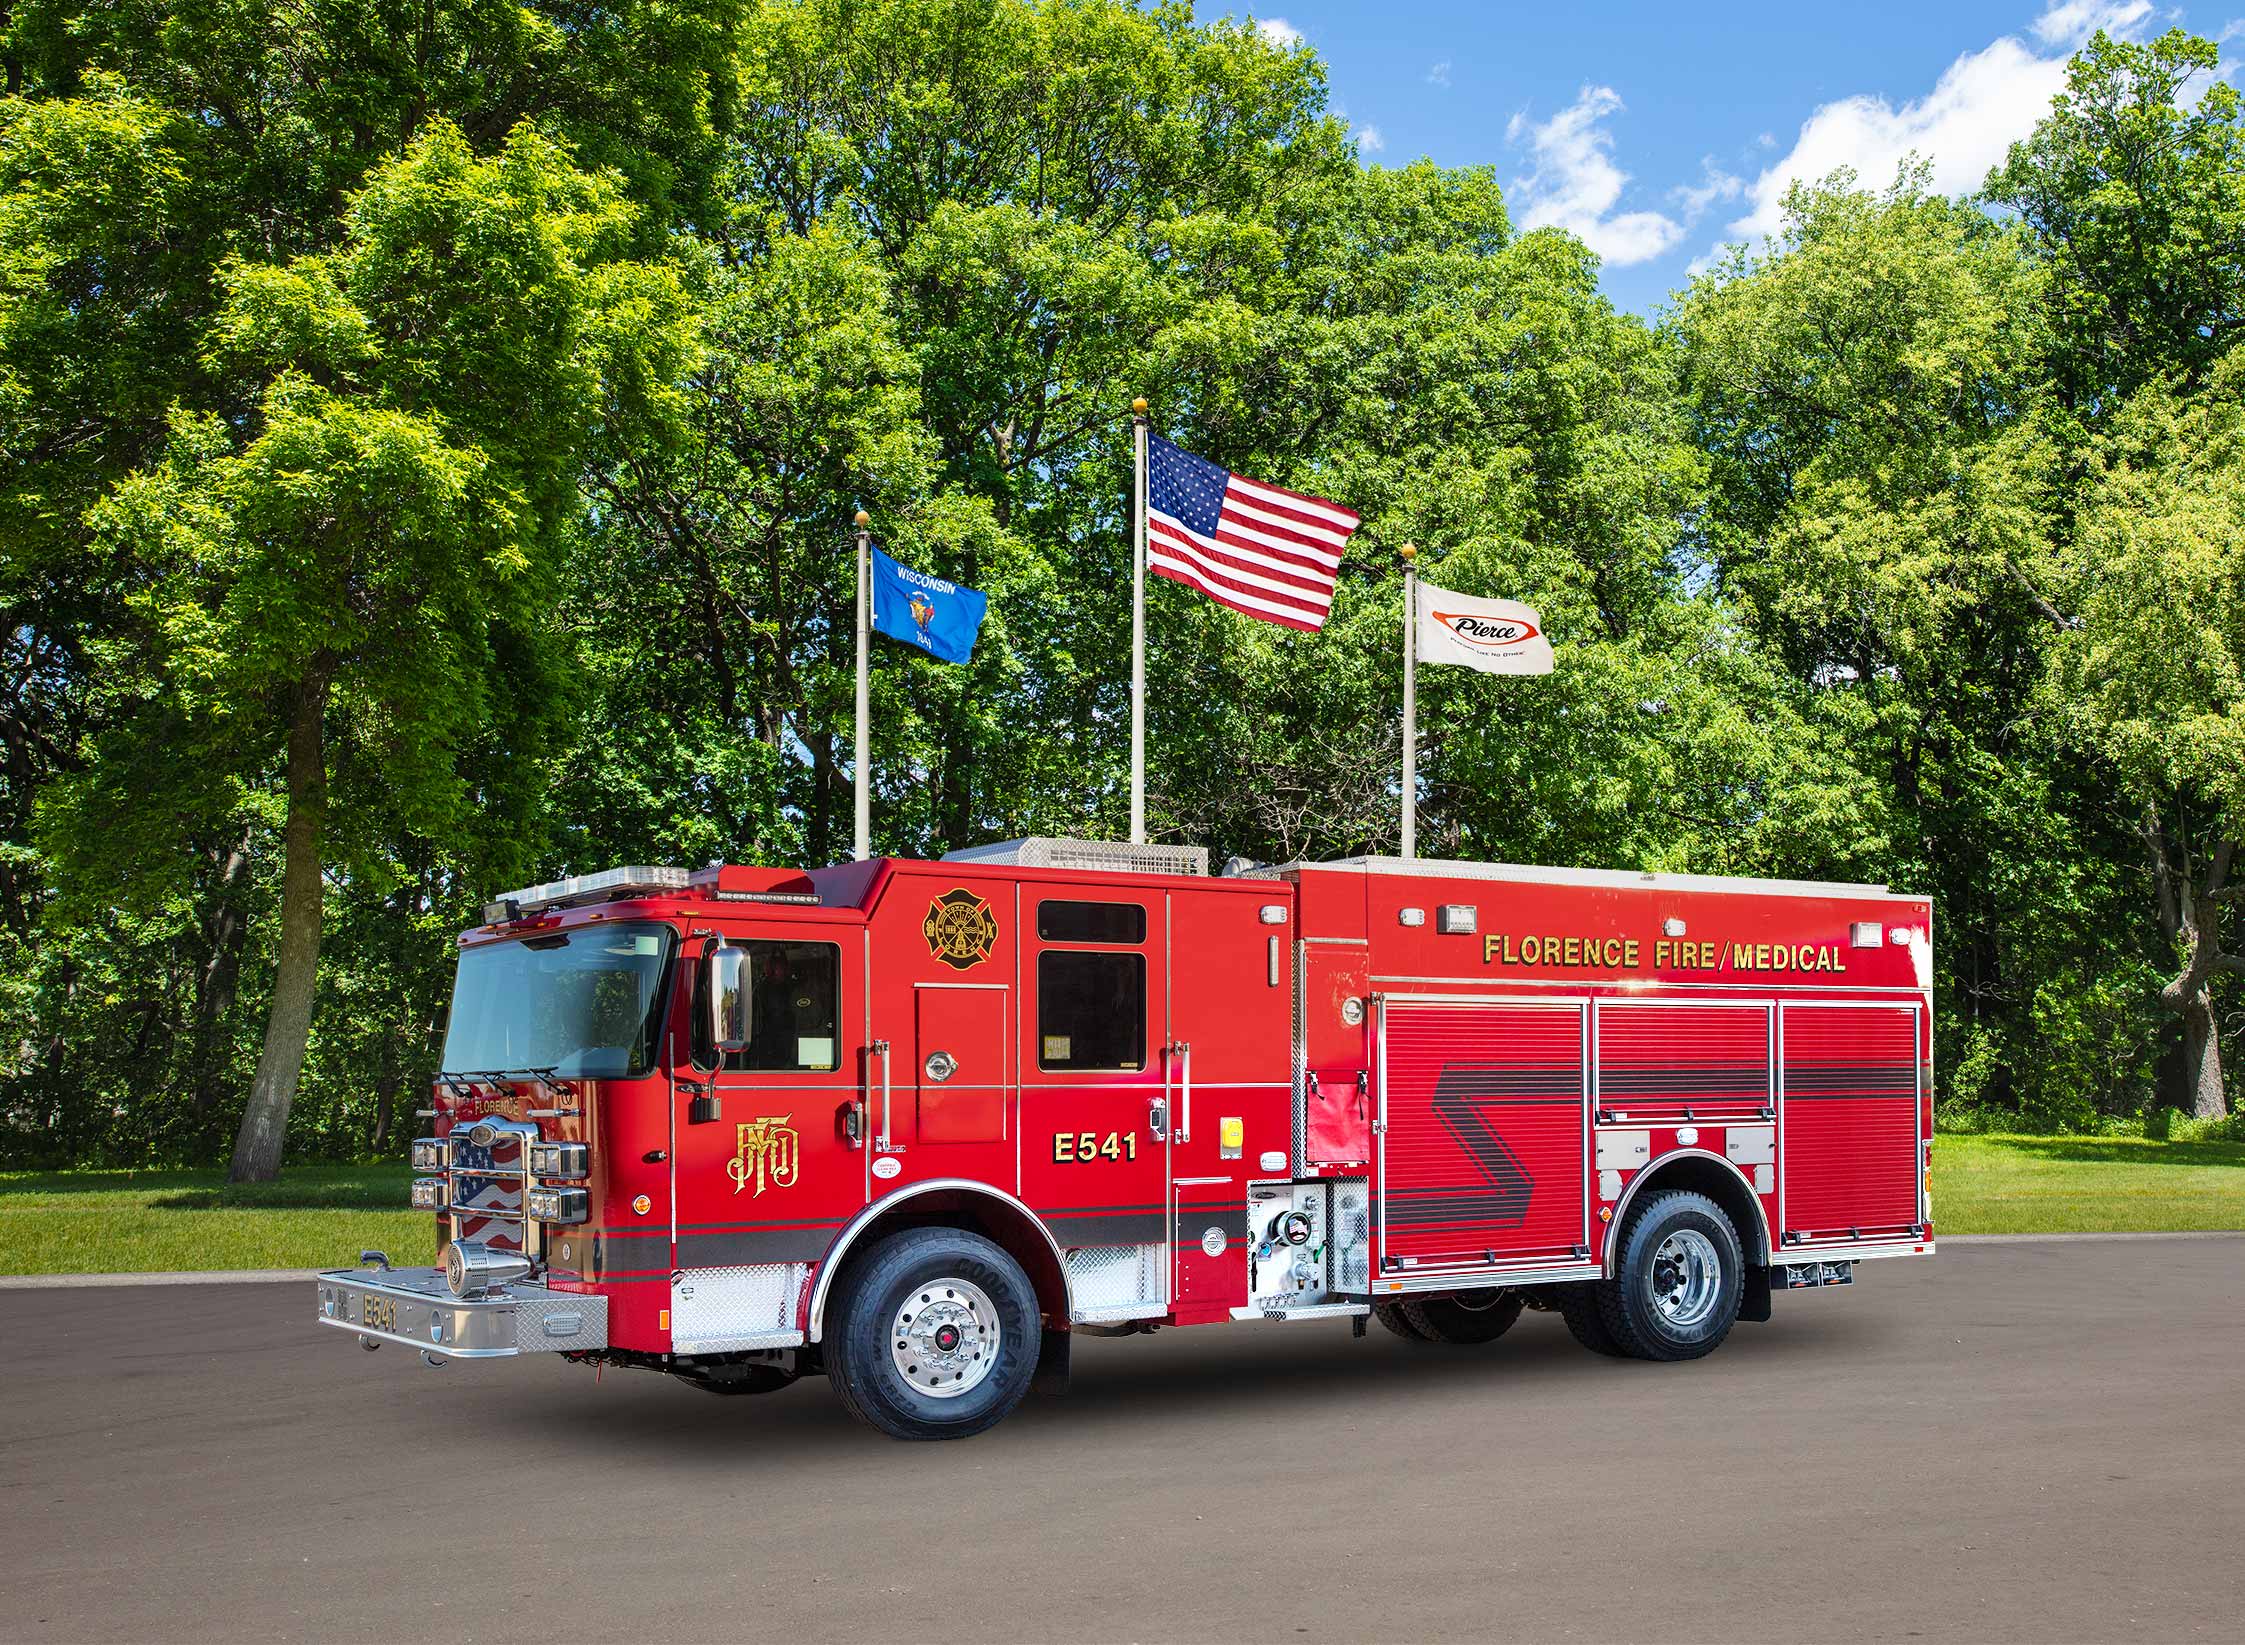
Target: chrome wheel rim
945,1336
1686,1278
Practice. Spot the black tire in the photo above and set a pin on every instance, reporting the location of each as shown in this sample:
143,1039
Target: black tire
1391,1315
1631,1303
1465,1316
1578,1306
981,1297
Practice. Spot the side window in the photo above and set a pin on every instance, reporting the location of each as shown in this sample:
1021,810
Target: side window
790,1002
1091,1010
1115,922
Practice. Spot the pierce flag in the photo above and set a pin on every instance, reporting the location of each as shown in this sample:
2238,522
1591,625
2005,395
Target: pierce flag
1494,636
942,618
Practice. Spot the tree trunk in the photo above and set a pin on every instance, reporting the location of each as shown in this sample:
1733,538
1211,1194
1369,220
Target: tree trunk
288,1021
2202,1056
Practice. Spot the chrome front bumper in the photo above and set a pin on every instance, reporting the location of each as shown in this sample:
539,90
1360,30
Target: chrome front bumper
416,1309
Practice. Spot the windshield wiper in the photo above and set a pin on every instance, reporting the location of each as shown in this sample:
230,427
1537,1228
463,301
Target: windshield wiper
547,1077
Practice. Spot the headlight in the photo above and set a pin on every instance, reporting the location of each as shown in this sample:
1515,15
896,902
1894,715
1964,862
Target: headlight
430,1154
429,1193
559,1159
556,1204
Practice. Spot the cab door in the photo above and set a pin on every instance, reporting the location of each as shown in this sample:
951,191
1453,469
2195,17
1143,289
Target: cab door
1099,1089
940,1067
767,1157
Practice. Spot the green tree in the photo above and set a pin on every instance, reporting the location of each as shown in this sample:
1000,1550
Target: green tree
2134,189
2150,678
357,570
1867,389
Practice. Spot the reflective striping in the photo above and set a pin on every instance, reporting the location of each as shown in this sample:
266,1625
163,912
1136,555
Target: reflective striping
1147,1226
1842,1080
1747,1080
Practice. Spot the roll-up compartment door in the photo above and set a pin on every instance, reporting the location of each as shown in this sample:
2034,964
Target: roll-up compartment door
1849,1139
1484,1156
1666,1062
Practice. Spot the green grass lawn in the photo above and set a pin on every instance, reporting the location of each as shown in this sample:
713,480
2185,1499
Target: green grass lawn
119,1222
321,1216
2042,1185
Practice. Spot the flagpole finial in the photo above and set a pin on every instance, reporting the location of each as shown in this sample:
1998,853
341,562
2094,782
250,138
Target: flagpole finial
1407,553
863,519
1138,407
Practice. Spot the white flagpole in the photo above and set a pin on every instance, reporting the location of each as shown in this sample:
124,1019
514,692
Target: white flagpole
1138,634
1410,703
864,793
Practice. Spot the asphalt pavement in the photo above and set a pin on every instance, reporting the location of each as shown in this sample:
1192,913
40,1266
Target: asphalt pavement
2028,1442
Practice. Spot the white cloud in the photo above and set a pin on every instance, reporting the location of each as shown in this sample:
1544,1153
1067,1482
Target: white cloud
1370,140
2069,22
1279,32
1439,75
1575,185
1983,103
1714,184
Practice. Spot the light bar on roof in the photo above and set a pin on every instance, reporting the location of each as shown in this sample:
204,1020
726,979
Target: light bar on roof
584,888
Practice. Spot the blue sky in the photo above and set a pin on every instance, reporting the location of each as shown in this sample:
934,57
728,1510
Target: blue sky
1659,132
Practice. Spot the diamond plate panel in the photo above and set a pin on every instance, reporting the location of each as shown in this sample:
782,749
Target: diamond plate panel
560,1322
1103,1277
1351,1248
745,1307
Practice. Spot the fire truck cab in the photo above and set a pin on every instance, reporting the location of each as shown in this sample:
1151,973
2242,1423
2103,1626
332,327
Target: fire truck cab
915,1124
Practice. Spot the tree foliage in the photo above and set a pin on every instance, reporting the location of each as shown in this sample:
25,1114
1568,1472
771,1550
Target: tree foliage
428,439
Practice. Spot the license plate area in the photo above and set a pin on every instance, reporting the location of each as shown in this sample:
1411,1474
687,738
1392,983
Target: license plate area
1801,1276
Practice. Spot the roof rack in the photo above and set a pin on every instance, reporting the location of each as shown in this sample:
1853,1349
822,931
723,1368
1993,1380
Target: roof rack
1109,856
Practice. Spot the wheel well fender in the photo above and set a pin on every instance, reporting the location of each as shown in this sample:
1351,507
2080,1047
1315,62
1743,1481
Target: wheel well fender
1699,1172
950,1203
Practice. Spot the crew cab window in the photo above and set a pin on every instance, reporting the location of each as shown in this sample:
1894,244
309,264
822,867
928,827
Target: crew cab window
792,1011
1091,1010
1115,922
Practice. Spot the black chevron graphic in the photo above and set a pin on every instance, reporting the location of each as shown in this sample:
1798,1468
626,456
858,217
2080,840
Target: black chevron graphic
1500,1199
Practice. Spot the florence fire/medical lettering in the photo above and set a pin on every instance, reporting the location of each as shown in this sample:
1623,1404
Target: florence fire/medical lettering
1611,953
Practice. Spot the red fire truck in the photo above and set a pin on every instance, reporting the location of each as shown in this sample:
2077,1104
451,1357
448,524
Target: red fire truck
915,1124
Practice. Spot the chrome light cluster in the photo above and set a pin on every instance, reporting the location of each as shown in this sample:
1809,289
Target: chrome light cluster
560,1159
429,1193
431,1154
555,1204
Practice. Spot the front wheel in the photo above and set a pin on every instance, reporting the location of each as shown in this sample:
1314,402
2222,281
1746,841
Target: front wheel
1676,1290
935,1335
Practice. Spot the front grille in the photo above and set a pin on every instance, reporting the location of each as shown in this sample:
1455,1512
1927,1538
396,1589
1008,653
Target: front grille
487,1191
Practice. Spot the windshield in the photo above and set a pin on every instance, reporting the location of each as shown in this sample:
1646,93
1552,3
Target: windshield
576,1003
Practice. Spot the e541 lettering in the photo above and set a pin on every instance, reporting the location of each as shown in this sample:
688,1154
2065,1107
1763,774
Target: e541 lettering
1084,1147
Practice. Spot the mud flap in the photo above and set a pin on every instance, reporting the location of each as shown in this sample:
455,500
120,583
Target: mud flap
1052,1358
1753,1301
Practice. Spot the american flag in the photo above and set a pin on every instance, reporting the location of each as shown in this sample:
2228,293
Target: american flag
1257,548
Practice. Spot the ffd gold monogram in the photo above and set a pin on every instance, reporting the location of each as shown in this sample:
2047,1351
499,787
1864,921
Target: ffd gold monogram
764,1154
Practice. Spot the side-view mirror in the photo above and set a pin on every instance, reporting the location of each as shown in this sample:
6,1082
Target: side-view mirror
730,993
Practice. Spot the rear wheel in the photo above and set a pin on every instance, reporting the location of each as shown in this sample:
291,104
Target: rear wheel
1465,1316
1578,1306
935,1335
1676,1290
1391,1315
